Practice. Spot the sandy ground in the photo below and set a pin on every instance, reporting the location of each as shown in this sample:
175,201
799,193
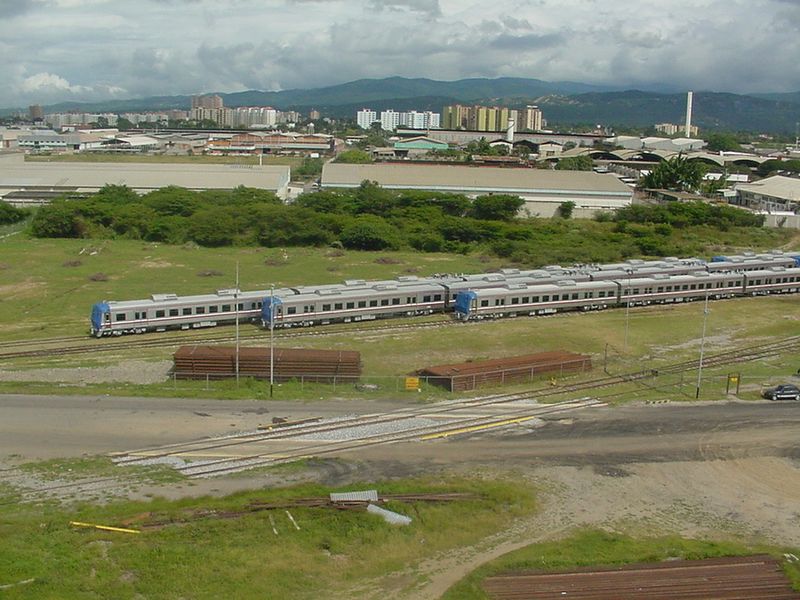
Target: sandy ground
715,470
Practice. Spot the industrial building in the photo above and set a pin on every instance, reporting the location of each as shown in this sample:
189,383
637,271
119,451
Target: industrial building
25,183
542,190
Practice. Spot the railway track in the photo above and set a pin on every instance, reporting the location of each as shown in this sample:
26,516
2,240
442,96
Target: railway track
93,345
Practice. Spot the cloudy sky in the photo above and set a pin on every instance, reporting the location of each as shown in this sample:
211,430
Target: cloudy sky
56,50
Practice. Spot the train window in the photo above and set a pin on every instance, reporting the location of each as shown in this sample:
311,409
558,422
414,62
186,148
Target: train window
692,287
660,289
484,303
226,308
437,297
351,305
409,300
326,307
685,287
200,310
535,299
120,316
259,304
173,312
635,290
565,296
601,294
241,307
385,302
497,301
758,282
589,295
738,284
574,296
362,304
426,298
669,288
159,314
337,306
290,310
373,303
395,300
515,301
186,311
308,309
545,298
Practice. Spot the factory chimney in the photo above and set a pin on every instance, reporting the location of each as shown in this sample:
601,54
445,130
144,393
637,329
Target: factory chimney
689,114
510,130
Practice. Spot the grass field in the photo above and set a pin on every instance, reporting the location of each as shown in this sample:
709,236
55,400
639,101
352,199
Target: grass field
596,548
46,286
242,557
42,284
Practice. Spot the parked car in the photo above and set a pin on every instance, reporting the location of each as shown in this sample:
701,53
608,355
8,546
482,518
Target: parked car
782,392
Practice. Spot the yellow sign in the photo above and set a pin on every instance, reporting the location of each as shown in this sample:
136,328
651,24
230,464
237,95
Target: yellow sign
412,383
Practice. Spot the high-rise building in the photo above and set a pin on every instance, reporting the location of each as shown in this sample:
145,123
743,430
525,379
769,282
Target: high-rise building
314,114
212,102
366,117
36,112
529,119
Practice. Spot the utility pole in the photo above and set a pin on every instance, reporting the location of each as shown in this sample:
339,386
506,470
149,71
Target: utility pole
702,348
271,339
236,302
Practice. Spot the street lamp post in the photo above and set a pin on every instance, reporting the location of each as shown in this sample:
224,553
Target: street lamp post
702,348
271,339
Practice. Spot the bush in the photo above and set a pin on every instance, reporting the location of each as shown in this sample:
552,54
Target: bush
369,232
11,214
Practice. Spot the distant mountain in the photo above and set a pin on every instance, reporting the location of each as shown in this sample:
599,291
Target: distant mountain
564,103
784,97
712,110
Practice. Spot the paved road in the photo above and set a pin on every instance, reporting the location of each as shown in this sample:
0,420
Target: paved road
41,427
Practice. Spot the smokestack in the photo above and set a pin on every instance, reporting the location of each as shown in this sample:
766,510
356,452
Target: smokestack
510,131
689,114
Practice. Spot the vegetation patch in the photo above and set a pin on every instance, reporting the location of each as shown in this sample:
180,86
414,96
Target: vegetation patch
243,557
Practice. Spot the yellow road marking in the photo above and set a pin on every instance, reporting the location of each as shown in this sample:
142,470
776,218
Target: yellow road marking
444,434
103,527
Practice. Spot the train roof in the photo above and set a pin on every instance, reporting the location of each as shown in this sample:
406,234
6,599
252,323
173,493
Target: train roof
175,300
391,288
554,286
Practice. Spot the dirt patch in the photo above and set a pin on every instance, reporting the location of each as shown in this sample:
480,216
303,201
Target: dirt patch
137,372
28,288
157,264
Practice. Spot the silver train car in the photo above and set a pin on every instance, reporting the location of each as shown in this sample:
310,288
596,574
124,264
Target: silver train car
169,311
518,300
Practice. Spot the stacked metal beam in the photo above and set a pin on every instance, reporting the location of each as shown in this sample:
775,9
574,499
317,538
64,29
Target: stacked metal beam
471,375
219,362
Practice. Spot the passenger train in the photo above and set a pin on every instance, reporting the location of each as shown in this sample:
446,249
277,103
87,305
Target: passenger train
503,293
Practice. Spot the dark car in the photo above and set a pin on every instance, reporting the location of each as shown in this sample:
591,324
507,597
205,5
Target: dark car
782,392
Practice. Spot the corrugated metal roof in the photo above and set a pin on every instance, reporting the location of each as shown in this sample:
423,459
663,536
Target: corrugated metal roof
365,496
483,179
15,171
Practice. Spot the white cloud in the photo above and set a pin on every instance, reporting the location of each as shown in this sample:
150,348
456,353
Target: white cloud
95,49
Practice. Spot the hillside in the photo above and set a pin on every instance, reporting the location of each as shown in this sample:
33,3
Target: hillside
564,103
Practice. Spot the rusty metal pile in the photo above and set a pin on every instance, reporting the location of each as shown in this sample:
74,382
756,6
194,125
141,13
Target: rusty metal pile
752,577
219,362
518,369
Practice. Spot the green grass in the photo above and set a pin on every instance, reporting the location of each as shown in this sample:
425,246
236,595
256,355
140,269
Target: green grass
242,558
600,548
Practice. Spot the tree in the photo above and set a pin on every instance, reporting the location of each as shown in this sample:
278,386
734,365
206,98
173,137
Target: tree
11,214
565,209
354,157
676,174
575,163
723,142
57,220
212,227
496,207
369,232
